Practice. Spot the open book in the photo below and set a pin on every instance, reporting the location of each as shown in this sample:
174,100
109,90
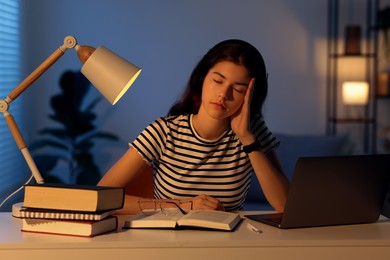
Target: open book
210,219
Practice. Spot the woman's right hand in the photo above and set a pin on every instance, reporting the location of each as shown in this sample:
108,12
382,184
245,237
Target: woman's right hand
205,202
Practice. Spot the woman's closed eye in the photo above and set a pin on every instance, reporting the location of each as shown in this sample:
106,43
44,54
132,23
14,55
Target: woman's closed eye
237,88
240,89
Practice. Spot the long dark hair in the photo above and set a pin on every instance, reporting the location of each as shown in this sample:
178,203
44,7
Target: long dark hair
238,51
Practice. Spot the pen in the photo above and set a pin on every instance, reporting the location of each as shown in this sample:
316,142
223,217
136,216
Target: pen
254,229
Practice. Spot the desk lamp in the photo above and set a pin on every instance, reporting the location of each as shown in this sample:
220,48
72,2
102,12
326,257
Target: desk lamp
109,73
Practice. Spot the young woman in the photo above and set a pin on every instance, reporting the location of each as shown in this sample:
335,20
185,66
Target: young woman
204,151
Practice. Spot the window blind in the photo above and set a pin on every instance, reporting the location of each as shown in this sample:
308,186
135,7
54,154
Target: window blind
13,172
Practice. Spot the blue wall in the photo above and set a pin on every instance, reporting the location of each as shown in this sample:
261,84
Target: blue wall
166,38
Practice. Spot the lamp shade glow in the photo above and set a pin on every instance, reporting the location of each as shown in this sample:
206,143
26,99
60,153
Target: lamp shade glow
355,92
109,73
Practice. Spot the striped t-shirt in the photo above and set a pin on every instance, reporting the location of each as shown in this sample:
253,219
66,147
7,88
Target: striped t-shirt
187,165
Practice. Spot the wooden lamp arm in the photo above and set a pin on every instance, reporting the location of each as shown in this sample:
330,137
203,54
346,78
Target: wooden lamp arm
69,42
22,146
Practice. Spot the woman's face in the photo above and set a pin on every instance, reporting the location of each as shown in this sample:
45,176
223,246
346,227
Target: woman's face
224,89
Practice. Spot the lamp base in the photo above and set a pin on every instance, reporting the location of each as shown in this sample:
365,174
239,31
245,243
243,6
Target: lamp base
16,209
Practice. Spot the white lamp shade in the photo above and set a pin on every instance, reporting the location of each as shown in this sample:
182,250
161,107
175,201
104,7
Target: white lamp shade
355,93
109,73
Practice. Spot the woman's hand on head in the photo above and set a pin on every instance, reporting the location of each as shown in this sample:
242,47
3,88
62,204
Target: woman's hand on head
205,202
240,121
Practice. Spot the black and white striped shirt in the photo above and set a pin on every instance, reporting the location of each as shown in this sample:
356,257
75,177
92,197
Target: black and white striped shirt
186,165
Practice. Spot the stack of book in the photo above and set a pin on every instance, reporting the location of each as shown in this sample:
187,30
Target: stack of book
76,210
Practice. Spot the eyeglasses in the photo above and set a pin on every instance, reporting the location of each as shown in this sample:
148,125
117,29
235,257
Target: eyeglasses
168,207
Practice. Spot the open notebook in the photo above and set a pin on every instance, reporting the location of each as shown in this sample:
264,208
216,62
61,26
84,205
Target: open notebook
333,190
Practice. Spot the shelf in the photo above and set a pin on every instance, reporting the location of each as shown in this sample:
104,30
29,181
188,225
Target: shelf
353,120
367,52
382,97
362,56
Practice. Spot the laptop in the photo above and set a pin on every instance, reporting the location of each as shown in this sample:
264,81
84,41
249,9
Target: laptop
333,190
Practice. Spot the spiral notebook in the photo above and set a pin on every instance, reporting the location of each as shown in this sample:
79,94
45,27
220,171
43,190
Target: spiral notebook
19,212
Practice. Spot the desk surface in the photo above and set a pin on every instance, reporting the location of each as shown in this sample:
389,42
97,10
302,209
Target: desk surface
336,242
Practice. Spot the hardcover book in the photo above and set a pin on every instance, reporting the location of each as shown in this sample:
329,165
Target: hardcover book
208,219
73,197
70,227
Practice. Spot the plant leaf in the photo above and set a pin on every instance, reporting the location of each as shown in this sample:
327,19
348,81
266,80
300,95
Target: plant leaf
102,135
84,146
46,162
56,132
47,143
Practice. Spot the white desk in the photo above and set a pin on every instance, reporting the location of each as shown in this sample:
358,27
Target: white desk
368,241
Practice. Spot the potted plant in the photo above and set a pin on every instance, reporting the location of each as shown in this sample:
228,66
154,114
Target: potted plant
72,141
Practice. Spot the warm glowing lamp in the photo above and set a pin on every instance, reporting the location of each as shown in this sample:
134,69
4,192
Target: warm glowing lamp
355,93
108,72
